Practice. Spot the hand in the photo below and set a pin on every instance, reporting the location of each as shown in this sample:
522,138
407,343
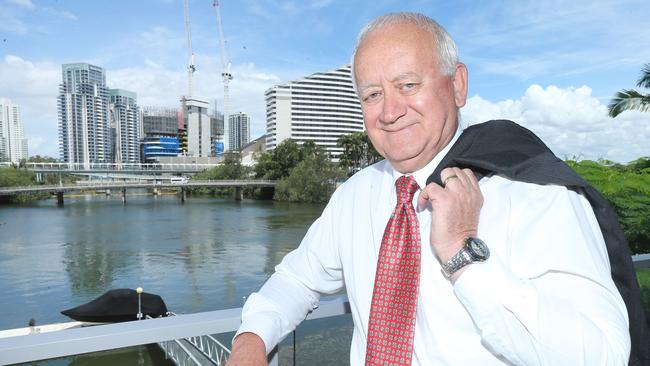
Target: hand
247,350
455,210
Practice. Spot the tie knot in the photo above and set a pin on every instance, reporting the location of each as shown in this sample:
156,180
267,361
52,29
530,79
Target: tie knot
406,188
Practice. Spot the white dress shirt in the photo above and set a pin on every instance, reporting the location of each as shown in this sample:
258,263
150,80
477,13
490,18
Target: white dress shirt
544,297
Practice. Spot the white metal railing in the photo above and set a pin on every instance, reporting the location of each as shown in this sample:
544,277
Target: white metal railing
34,347
641,260
41,346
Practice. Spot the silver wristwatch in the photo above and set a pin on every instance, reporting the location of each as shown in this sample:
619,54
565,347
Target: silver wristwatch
474,250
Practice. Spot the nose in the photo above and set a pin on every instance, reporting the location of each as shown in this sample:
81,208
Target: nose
394,107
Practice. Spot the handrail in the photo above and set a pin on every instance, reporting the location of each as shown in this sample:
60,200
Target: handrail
34,347
641,260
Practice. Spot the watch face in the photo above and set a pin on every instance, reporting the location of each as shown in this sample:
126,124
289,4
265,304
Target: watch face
478,249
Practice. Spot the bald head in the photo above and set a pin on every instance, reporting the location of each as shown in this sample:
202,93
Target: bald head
442,42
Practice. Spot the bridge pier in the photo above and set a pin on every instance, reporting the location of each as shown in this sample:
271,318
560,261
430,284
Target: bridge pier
59,199
183,194
123,195
239,193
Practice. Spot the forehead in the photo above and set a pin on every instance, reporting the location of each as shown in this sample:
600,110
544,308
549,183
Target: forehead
394,49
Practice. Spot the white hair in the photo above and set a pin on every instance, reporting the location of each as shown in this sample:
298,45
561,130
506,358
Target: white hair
443,43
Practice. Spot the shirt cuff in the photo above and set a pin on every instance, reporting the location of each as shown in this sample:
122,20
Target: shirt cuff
265,324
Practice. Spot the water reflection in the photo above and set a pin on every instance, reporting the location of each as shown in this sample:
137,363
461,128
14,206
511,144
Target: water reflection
206,254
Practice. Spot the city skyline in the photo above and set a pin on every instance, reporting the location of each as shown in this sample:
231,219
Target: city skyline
550,66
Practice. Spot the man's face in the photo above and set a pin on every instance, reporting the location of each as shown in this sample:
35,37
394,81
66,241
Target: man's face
409,107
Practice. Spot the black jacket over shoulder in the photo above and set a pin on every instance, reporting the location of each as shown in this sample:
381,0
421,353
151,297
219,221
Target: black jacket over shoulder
504,148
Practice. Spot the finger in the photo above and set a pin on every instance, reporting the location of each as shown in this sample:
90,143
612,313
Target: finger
471,177
456,179
447,175
427,194
462,176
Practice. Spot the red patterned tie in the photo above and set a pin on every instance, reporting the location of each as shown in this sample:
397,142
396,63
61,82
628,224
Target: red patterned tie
392,314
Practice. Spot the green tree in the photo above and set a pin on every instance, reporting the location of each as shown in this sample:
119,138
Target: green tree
358,152
230,169
42,159
277,163
627,188
12,177
312,180
630,99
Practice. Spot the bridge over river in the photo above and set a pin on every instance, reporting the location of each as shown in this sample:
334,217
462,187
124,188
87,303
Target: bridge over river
59,190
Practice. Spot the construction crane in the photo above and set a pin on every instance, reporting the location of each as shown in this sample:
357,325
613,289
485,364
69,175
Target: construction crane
190,63
226,75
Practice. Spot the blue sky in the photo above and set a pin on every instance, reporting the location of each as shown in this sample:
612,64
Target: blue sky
550,65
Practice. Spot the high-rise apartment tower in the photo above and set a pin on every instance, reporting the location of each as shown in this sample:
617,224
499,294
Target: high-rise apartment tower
320,108
13,144
240,130
83,115
125,129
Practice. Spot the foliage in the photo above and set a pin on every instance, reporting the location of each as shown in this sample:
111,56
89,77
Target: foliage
311,180
12,177
230,169
42,159
358,152
627,188
277,163
629,99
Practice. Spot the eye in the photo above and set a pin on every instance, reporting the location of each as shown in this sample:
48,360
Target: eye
371,96
409,87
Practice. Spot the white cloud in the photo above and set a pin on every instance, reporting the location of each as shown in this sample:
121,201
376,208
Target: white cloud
33,86
159,86
571,121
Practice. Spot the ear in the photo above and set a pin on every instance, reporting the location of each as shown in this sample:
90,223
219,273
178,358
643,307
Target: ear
460,85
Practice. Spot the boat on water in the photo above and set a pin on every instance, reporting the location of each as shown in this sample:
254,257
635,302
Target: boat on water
123,305
116,305
119,305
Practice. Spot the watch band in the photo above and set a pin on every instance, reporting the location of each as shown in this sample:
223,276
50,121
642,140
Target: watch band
473,250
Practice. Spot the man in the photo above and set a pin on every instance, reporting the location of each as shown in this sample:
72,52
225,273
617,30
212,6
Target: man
535,289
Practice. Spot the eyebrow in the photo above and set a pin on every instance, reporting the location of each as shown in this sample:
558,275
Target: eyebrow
398,78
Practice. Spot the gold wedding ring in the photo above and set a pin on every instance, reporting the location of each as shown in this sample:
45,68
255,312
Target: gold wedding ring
444,183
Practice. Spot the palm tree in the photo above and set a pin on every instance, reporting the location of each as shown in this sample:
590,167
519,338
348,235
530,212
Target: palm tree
629,99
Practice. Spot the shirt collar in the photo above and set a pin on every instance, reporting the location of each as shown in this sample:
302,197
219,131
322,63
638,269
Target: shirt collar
421,175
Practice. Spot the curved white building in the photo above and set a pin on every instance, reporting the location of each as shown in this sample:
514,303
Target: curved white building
319,108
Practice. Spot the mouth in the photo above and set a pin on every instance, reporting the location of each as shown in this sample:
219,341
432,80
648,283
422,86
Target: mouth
399,128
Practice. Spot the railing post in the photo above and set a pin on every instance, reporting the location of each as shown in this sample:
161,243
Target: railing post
273,357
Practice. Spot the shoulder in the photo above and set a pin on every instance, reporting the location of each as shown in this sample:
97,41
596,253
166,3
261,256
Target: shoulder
530,201
526,193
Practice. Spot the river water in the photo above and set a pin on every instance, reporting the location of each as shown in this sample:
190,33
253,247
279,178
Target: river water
206,254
